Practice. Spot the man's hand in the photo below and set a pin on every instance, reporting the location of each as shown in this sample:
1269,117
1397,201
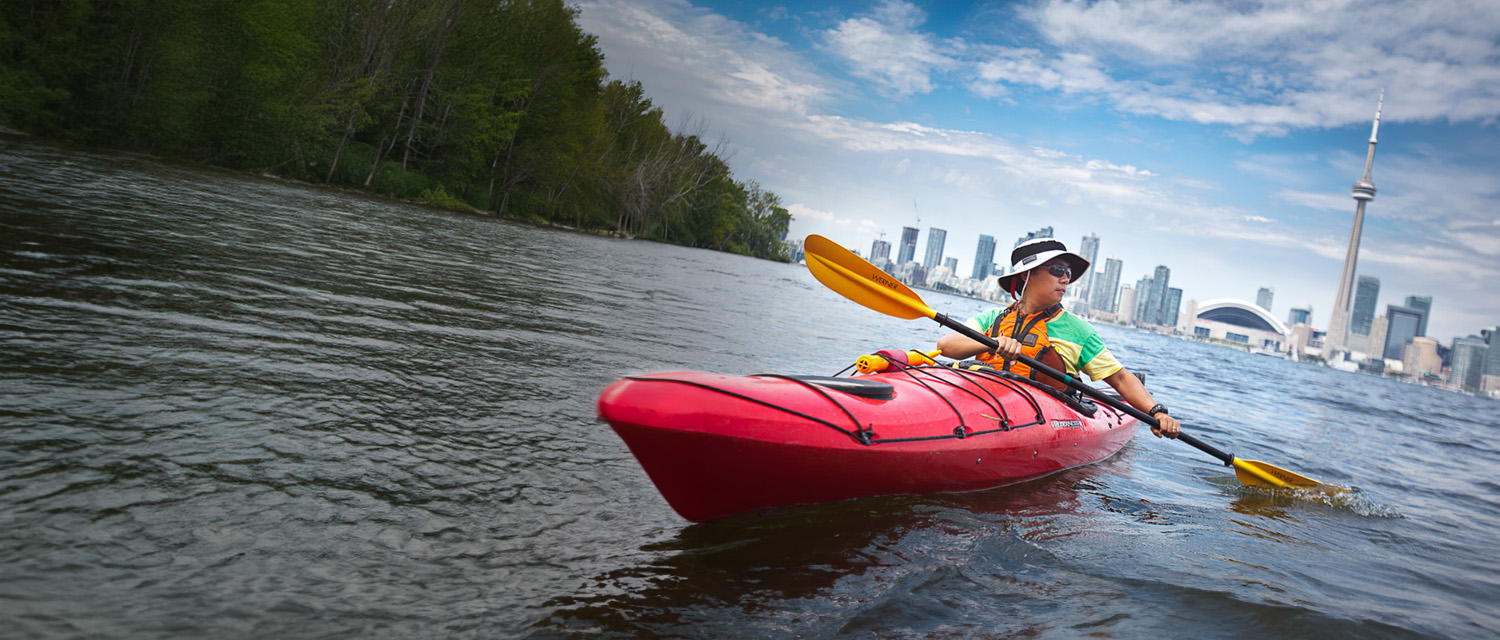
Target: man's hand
1167,426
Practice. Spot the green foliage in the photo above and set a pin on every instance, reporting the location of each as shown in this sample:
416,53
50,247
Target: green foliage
439,198
503,107
392,180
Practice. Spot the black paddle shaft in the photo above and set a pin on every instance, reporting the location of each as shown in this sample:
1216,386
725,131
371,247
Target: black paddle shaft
1089,390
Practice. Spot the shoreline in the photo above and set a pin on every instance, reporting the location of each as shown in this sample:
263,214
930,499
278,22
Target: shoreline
456,206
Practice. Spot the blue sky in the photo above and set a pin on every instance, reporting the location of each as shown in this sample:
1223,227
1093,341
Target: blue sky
1220,139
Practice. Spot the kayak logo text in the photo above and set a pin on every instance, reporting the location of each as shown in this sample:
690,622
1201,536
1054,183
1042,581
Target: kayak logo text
1067,424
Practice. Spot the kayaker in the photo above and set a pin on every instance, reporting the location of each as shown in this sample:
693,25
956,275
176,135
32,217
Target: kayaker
1038,326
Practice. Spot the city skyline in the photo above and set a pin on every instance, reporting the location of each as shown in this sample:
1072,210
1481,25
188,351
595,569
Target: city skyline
1156,306
1227,154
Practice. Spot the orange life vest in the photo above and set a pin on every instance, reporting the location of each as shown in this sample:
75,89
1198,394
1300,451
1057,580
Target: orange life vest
1031,332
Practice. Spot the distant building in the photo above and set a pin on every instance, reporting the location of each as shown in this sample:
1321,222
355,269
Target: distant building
908,250
1376,339
880,250
1239,321
1126,312
1173,305
1299,315
1044,232
1303,339
1363,313
794,249
1364,192
951,264
984,258
1422,304
1492,359
1156,307
1106,286
1142,299
1402,327
911,272
1263,297
1187,320
940,276
936,238
1089,249
1420,358
1468,362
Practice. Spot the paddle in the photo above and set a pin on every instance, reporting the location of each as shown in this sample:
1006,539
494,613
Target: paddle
852,277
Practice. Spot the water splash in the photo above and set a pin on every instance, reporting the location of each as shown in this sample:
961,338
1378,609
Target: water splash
1353,500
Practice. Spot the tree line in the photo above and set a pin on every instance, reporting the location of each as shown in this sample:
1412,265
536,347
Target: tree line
497,105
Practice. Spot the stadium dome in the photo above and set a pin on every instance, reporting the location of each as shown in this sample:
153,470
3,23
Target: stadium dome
1241,314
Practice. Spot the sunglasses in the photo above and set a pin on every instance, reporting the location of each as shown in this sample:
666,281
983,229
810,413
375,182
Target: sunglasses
1059,271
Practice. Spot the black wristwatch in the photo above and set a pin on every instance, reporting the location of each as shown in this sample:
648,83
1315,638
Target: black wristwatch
1159,408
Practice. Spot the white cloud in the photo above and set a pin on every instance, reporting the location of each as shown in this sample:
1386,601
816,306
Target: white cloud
1069,73
1262,219
1321,201
803,212
886,48
1481,242
1105,165
687,50
1264,67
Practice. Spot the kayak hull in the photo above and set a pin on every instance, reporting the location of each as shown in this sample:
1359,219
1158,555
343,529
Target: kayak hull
716,445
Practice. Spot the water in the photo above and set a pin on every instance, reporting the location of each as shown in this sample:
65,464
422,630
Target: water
236,407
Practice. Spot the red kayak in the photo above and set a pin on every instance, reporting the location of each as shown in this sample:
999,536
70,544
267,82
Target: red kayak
717,445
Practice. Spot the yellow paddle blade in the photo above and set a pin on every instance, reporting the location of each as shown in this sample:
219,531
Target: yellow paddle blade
1259,474
839,269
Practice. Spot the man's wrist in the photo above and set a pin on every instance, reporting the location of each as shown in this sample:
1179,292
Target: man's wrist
1157,408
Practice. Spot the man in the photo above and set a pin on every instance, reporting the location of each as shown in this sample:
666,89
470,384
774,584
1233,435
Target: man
1038,326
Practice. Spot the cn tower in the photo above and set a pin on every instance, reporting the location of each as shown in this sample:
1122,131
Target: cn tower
1364,191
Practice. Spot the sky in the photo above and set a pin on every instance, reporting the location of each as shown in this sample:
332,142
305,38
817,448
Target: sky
1220,139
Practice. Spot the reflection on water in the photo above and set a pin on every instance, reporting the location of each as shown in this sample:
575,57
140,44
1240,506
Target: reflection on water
240,407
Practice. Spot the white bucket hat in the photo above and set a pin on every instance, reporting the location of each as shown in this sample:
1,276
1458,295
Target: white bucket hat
1035,253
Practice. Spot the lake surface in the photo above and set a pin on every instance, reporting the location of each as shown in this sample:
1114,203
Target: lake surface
234,407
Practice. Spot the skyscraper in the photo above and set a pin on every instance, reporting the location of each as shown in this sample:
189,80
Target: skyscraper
1364,313
1491,359
908,249
880,250
936,238
1173,306
1263,298
1299,315
1127,305
1424,305
1157,301
951,263
1106,285
1089,249
1044,232
1468,362
1143,300
984,258
1402,324
1364,191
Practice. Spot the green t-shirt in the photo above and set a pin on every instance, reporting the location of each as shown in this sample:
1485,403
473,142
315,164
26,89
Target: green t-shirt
1075,340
